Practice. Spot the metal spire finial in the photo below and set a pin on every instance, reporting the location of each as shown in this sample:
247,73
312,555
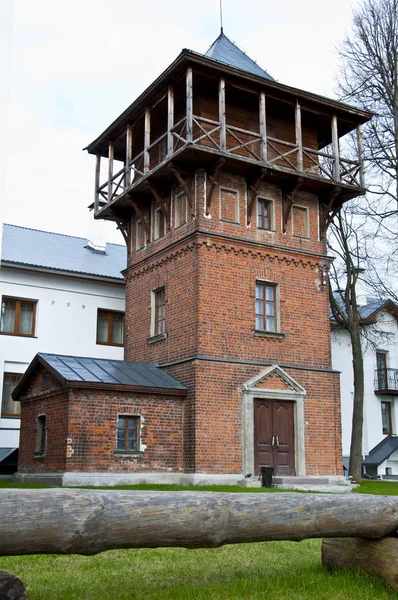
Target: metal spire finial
222,31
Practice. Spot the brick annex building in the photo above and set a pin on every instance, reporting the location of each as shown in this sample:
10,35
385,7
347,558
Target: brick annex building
223,182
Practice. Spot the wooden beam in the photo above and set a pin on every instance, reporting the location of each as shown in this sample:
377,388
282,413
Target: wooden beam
97,182
188,189
263,126
373,556
129,155
71,521
252,188
222,114
110,169
212,182
299,136
161,199
335,146
170,120
147,139
189,104
328,208
124,228
141,216
360,156
288,196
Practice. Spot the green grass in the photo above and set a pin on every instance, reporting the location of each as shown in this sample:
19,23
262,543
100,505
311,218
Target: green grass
276,570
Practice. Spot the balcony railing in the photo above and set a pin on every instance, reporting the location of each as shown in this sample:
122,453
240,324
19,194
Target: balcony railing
386,381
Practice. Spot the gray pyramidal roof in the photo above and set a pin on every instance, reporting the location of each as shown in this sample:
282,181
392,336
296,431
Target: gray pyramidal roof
102,373
228,53
57,252
382,451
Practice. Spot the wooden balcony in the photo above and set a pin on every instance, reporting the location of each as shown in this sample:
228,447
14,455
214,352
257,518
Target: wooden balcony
386,382
213,122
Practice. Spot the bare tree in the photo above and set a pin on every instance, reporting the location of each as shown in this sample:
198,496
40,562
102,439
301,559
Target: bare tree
362,233
369,77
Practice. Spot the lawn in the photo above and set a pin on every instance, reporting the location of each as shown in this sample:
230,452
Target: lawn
277,570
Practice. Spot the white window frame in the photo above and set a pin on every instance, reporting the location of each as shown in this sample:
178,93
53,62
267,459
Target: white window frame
159,211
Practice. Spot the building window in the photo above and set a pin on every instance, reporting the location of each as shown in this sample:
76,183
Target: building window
158,324
300,222
41,434
18,316
266,307
264,214
128,434
160,225
139,235
386,417
229,206
110,327
180,206
9,408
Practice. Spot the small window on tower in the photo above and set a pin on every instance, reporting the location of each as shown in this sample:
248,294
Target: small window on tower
264,214
266,307
180,210
160,225
158,313
139,235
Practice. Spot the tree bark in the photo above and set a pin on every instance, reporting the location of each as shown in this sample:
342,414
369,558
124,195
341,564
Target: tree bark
376,556
11,587
91,521
355,469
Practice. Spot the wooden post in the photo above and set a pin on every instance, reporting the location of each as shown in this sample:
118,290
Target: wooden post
263,126
222,114
170,120
360,156
97,182
299,137
147,139
129,150
110,170
335,145
189,104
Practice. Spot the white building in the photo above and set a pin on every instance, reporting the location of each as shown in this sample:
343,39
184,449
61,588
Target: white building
380,352
59,294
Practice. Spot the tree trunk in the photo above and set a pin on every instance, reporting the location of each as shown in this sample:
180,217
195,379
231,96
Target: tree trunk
91,521
357,413
11,587
376,556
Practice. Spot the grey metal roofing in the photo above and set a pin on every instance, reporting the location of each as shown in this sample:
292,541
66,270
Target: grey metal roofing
382,451
225,51
57,252
101,370
372,306
5,452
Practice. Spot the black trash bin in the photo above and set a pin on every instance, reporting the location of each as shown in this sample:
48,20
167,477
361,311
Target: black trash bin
267,476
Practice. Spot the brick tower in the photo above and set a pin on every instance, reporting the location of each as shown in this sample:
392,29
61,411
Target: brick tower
223,182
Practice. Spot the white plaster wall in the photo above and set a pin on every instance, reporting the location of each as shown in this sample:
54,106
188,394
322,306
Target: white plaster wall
66,323
384,337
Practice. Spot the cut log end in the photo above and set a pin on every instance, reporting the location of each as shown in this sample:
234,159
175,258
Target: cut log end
379,557
11,587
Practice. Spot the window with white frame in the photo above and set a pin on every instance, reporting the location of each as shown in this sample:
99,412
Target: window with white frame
265,217
267,307
160,224
158,312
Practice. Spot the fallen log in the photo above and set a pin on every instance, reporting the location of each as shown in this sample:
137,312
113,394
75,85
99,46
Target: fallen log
90,521
379,557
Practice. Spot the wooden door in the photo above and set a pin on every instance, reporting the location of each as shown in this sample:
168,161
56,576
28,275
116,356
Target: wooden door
274,436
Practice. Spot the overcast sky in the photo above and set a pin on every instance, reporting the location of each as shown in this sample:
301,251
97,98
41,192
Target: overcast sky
68,69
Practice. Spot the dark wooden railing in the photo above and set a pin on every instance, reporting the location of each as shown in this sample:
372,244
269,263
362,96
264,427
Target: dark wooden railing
386,381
